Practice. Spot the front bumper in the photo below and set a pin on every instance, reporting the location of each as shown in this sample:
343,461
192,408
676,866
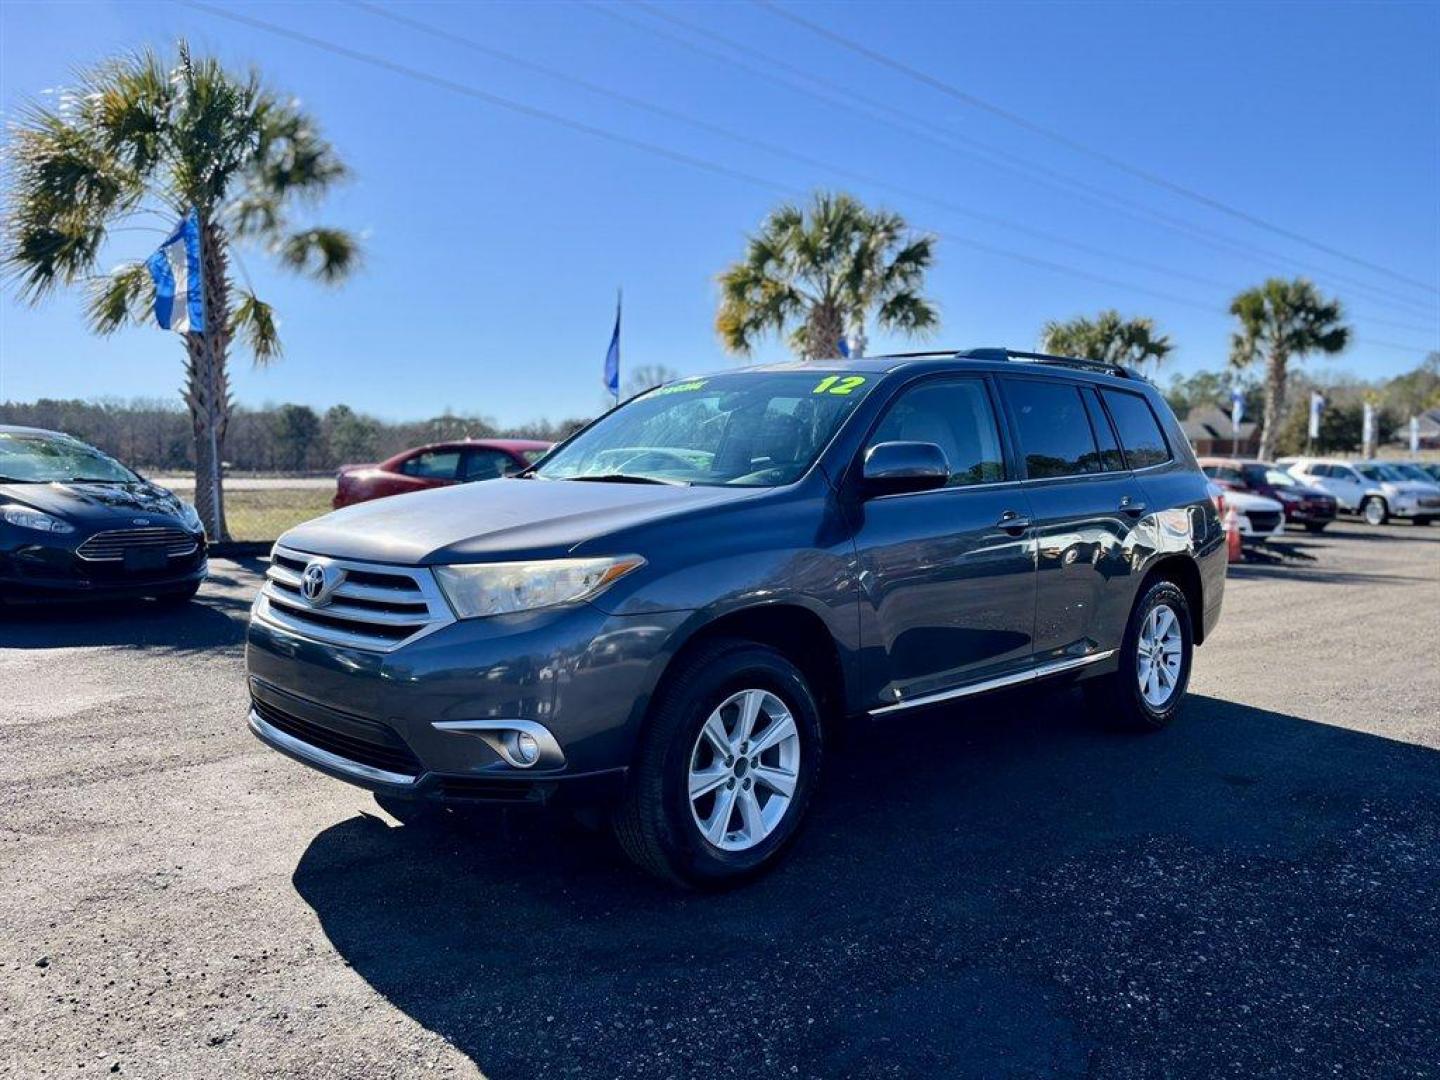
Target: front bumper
1310,513
388,721
31,571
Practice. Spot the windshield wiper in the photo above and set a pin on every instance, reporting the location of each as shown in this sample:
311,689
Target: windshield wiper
627,478
96,480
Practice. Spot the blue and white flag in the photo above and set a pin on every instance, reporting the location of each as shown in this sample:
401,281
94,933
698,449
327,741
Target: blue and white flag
179,285
1237,407
612,356
1317,406
843,347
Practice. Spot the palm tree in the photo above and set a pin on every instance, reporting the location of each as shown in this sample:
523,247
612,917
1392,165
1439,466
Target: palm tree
142,138
1108,338
1280,320
821,272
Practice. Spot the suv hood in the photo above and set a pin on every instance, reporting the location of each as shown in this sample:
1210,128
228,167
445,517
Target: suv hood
497,520
96,506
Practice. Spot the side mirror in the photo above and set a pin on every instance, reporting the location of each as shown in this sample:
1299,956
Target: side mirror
895,467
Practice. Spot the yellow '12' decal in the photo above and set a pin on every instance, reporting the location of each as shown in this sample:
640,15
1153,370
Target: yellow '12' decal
839,384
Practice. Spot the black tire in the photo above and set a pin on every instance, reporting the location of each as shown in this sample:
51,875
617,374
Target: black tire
1116,698
176,597
1315,526
654,823
1382,509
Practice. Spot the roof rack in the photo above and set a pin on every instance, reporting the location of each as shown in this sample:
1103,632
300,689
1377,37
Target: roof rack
1047,358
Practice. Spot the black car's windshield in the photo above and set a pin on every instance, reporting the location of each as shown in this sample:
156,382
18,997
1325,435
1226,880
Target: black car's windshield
44,459
746,429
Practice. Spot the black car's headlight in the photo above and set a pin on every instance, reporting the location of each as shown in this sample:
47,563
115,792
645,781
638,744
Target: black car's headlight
479,589
23,517
191,517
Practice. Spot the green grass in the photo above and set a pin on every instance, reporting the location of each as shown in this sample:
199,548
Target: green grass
264,515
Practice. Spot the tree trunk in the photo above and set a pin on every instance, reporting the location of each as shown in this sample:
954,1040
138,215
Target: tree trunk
1275,375
823,330
207,386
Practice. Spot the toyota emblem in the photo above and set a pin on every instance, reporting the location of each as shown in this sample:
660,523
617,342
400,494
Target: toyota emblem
313,583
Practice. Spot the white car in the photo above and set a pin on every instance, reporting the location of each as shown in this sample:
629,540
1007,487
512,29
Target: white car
1375,490
1258,518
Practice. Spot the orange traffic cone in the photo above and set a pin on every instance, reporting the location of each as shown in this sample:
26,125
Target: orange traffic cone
1233,550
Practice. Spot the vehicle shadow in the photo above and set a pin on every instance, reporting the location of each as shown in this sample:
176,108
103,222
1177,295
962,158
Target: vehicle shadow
996,891
214,620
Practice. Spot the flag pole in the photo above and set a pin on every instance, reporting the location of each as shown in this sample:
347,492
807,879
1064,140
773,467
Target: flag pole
619,297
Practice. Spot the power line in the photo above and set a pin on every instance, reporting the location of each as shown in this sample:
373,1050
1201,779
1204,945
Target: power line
769,147
703,164
926,130
1060,137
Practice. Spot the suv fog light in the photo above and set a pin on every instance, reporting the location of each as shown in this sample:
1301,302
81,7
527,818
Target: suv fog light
525,749
521,744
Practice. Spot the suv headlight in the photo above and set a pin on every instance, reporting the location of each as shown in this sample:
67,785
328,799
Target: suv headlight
479,589
25,518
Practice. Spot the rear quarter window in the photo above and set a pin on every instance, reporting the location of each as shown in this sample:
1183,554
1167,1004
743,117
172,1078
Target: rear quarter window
1140,433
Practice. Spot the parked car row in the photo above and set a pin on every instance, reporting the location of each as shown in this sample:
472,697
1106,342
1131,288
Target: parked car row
1312,492
1376,490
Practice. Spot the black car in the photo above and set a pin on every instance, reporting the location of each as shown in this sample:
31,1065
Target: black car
76,524
671,613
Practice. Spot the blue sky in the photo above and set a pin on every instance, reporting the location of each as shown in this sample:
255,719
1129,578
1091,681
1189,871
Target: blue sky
495,241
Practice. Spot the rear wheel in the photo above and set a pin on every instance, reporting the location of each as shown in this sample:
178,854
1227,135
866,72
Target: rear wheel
1374,510
1146,690
727,764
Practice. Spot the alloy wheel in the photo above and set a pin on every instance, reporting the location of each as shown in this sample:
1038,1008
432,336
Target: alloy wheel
1157,656
744,768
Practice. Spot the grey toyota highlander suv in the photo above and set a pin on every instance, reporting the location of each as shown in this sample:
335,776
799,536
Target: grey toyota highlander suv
671,612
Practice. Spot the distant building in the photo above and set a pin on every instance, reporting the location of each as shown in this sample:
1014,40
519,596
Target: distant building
1208,429
1429,430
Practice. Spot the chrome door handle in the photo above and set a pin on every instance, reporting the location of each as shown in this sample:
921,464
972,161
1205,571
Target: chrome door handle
1013,521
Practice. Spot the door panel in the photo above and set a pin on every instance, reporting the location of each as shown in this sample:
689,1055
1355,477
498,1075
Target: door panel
1086,508
948,574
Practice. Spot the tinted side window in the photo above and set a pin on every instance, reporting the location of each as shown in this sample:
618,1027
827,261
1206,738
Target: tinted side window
432,464
1055,435
1140,433
956,416
1110,458
487,465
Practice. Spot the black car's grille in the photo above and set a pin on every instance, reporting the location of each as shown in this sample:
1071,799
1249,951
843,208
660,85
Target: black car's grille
363,741
1264,520
111,546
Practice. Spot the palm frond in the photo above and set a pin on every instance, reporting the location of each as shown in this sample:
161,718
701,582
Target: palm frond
125,295
254,321
329,255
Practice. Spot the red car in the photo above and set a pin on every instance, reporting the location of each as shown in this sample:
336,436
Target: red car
1307,506
436,465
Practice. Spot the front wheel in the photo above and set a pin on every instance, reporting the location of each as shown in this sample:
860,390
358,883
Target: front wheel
1145,692
1374,511
727,764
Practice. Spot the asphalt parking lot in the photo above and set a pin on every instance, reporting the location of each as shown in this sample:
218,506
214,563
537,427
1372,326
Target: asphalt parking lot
999,890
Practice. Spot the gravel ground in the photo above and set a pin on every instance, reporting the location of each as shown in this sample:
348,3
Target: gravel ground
994,891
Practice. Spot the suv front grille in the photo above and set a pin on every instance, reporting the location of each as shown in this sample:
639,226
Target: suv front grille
111,546
370,606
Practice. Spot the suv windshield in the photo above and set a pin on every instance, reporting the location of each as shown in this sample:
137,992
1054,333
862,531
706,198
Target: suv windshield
747,429
44,459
